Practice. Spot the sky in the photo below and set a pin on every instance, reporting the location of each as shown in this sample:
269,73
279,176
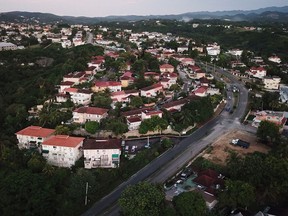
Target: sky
100,8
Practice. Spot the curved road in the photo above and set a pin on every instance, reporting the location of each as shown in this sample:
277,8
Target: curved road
163,167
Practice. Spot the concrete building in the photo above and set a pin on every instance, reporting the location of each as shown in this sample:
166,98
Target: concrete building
62,150
102,153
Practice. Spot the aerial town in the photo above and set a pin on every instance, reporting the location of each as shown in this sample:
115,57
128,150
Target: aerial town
122,117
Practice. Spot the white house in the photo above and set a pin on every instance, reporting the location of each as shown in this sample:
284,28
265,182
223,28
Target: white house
274,59
7,46
75,77
123,96
79,96
271,83
150,114
257,72
84,114
33,136
102,153
62,150
151,91
201,91
134,123
166,68
64,85
213,49
103,85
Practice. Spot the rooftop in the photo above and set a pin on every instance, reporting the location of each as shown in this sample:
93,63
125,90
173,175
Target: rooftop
36,131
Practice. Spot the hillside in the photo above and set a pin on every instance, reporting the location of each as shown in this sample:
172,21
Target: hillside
279,14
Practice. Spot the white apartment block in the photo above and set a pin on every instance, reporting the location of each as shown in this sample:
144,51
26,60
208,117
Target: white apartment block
62,150
33,136
271,83
102,153
84,114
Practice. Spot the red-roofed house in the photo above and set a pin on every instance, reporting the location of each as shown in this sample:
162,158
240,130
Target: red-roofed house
166,68
150,114
79,96
103,85
33,136
151,91
151,75
175,105
123,96
84,114
134,123
76,77
127,79
201,91
257,72
166,82
187,61
62,150
64,85
102,153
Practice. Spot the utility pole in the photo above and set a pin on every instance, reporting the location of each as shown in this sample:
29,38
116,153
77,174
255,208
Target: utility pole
86,193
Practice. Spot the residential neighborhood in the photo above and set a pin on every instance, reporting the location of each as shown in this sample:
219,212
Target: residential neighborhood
93,109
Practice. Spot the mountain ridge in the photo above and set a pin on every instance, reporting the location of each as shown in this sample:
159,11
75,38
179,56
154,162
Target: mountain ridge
280,14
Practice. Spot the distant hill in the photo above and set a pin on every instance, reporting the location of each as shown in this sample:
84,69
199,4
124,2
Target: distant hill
279,14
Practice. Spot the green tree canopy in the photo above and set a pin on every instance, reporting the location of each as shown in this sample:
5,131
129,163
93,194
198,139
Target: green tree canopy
190,204
92,127
142,199
268,132
237,194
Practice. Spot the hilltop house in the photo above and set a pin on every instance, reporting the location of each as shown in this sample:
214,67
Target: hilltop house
151,91
79,96
84,114
257,72
271,83
113,86
277,118
101,153
166,68
33,136
62,150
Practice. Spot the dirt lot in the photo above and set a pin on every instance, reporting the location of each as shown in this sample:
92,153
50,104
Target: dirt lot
220,149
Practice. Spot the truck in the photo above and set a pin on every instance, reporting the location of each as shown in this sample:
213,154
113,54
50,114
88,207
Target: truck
240,143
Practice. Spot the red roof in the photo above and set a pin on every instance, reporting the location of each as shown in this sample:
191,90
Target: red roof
209,172
63,140
204,180
107,83
155,86
36,131
91,110
74,90
201,90
67,83
134,119
166,66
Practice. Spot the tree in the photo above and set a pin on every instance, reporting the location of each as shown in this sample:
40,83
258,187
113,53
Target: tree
190,204
142,199
92,127
62,129
268,132
102,100
136,102
36,163
237,194
166,143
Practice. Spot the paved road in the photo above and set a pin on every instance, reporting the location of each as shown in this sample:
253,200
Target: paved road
169,163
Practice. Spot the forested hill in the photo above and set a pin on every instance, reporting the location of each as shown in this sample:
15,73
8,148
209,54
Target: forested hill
279,14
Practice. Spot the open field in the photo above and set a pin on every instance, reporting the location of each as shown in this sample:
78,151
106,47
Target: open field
219,151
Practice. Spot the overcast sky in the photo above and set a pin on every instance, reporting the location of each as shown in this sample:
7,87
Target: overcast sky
95,8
